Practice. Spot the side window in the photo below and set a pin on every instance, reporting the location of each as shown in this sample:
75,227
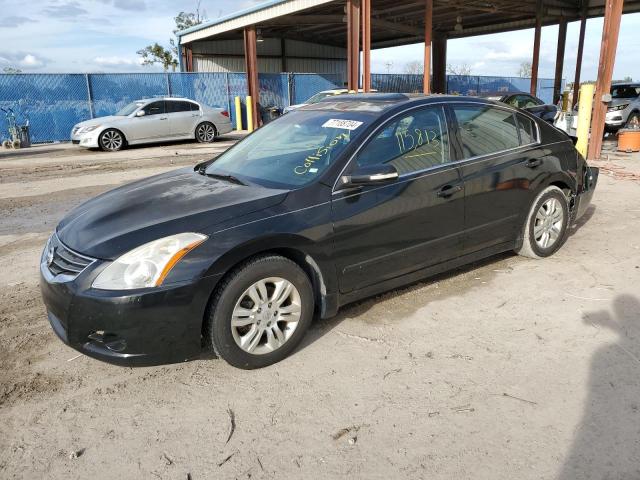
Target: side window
527,101
154,108
414,142
528,133
194,107
174,106
485,129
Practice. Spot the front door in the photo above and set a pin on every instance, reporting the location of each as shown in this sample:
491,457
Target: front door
154,124
382,232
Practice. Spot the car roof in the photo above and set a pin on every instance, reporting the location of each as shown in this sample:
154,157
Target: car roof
382,102
503,94
154,99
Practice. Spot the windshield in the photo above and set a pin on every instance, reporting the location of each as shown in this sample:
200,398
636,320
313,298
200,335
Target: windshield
625,91
293,150
319,96
129,109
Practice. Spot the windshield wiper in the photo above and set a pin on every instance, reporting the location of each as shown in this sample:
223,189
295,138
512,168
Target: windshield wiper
228,178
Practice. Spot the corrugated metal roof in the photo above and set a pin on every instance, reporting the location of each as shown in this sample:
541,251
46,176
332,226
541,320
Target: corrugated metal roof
259,13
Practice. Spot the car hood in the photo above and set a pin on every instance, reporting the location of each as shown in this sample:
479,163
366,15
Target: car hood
620,101
100,121
115,222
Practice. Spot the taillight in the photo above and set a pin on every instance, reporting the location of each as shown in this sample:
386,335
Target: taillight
225,113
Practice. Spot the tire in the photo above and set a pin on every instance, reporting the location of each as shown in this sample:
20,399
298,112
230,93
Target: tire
242,331
111,140
206,132
634,116
540,224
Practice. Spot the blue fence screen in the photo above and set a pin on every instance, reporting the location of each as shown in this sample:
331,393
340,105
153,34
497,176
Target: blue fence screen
54,103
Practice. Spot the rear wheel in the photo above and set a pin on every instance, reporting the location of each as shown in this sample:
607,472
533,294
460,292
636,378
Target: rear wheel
111,140
260,313
546,228
206,132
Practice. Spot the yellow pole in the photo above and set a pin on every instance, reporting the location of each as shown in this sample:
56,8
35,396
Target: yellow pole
584,117
249,114
238,114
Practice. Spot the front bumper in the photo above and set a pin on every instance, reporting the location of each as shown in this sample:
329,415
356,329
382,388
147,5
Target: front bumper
583,199
133,328
87,140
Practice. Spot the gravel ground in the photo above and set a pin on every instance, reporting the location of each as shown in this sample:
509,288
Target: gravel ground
510,368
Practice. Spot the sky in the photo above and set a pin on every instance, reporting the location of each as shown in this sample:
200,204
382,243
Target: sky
103,36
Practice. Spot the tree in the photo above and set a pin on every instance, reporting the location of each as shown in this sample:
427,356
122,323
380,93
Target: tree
458,70
11,70
168,57
414,68
156,53
525,70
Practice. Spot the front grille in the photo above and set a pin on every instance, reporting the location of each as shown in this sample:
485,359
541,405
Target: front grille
64,261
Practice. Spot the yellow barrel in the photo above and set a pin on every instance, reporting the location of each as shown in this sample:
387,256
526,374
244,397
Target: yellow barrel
585,102
238,114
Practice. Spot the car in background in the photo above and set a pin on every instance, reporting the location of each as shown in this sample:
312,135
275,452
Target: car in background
153,120
321,96
525,101
330,204
624,107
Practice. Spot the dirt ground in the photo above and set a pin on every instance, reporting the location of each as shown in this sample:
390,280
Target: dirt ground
508,369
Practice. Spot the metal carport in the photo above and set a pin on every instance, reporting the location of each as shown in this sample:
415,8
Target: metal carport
361,25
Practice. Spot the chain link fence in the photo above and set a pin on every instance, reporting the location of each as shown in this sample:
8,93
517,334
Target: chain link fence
54,103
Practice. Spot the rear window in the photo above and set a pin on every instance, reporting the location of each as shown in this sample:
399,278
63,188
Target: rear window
528,133
485,130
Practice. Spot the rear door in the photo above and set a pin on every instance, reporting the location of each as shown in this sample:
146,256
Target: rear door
499,165
383,232
153,125
181,117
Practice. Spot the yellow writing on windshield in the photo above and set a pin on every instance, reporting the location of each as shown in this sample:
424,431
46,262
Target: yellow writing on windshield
320,152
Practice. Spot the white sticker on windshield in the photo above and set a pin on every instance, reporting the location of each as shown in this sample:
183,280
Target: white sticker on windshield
343,124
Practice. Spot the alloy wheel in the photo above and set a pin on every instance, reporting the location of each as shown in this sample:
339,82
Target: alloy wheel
266,315
206,133
548,223
112,140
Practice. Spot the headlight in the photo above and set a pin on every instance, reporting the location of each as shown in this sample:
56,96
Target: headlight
88,129
149,264
618,107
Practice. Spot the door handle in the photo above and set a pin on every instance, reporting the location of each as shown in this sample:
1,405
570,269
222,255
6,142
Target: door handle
163,118
533,163
449,190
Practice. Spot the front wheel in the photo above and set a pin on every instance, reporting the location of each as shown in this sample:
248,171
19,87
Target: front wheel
546,228
633,120
260,313
111,140
206,132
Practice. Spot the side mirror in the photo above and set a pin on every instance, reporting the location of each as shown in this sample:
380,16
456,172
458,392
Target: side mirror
370,175
140,113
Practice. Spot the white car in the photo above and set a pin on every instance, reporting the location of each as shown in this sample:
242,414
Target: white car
153,120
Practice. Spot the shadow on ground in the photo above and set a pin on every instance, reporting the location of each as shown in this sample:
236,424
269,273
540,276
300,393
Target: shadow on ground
607,441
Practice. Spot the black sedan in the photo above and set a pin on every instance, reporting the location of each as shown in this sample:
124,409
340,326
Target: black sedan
327,205
527,102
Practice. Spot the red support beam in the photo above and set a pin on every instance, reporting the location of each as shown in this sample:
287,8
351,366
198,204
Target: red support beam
428,33
536,49
353,44
610,31
562,42
576,81
366,45
187,56
251,66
